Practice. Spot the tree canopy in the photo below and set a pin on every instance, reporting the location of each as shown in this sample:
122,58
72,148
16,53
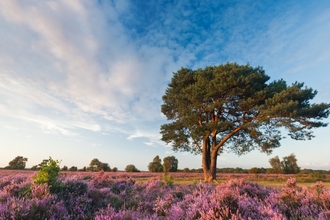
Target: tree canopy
288,165
97,165
170,164
155,165
233,107
276,165
73,168
18,163
131,168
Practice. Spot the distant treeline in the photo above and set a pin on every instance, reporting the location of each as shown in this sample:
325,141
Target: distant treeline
288,165
255,170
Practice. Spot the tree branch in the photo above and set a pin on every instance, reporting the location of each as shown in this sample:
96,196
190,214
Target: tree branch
225,139
199,147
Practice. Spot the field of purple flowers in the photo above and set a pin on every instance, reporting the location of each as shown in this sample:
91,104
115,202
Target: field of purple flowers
104,196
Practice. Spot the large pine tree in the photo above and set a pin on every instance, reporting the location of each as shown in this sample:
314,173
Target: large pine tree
232,107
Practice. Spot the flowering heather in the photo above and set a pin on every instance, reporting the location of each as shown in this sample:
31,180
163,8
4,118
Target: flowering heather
104,196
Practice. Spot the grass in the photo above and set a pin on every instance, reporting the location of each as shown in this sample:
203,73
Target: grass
266,180
281,184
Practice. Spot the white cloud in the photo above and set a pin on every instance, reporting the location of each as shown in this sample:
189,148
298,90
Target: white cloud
27,100
153,137
92,68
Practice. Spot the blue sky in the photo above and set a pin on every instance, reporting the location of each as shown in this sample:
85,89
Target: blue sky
84,79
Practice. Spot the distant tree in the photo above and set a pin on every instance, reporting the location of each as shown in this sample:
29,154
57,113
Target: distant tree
155,165
276,165
115,169
199,170
39,166
257,170
105,167
234,108
170,164
97,165
34,167
254,170
73,168
186,170
306,171
64,168
82,169
231,170
269,171
131,168
94,165
289,164
18,163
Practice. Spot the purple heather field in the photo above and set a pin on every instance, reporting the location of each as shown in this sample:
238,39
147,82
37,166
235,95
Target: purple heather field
103,196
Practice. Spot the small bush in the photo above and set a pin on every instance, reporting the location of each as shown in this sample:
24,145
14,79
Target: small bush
48,173
169,179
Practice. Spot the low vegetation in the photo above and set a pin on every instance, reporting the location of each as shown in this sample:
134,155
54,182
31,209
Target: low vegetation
107,195
48,172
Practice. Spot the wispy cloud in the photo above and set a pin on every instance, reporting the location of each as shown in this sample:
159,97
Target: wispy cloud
91,68
153,137
27,100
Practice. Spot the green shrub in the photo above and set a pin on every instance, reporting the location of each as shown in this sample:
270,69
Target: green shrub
48,172
169,179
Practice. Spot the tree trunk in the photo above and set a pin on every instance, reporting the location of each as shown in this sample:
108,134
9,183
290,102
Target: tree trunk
209,157
209,166
213,167
214,156
209,162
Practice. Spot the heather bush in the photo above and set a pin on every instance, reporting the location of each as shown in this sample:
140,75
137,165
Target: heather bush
38,205
74,196
100,180
301,202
